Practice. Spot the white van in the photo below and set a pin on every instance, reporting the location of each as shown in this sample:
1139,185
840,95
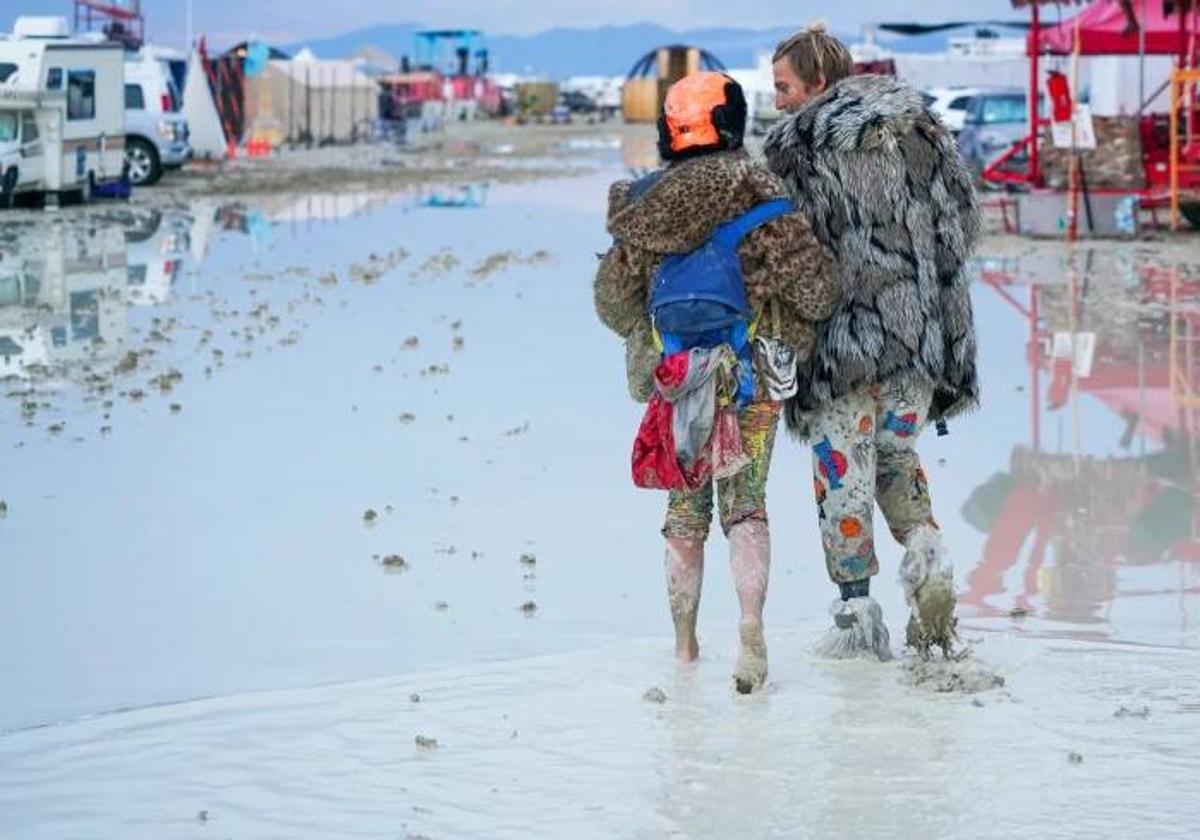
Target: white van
62,111
156,132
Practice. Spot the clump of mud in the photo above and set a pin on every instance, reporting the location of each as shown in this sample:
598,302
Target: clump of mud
655,695
503,260
394,563
962,674
376,266
127,364
1126,712
370,517
435,266
426,743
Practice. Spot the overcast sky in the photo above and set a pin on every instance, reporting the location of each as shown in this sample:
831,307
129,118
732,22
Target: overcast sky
228,21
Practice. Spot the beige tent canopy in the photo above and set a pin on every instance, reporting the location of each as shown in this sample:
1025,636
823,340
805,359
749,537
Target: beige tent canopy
308,99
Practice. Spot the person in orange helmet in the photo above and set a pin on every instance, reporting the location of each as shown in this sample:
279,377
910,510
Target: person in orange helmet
666,227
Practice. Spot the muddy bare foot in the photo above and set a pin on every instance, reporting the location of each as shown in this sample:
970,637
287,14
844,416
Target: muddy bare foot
750,674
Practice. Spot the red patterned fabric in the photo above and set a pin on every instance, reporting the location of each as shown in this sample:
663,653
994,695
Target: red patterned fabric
655,465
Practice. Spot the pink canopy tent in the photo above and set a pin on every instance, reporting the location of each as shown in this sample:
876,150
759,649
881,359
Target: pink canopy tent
1104,30
1106,27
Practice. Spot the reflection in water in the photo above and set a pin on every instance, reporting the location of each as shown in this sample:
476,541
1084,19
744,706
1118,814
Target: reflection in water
60,301
1114,378
463,196
66,286
156,247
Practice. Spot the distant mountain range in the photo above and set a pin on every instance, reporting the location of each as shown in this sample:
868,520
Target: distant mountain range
607,51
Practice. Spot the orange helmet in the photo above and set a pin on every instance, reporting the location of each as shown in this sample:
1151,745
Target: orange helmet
702,112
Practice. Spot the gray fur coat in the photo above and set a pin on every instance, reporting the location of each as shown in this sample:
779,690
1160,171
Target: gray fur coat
881,180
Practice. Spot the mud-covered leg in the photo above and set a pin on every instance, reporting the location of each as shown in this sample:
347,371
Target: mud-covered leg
685,573
686,530
902,490
750,563
743,504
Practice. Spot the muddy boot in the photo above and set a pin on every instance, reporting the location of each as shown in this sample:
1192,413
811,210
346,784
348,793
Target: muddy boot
858,630
928,581
751,672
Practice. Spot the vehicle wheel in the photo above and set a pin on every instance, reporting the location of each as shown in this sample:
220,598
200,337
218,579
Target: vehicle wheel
8,189
142,158
1191,212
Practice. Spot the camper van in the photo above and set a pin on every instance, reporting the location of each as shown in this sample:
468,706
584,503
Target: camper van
62,111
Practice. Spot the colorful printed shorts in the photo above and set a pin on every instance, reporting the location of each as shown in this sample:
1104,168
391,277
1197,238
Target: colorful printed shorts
863,453
741,498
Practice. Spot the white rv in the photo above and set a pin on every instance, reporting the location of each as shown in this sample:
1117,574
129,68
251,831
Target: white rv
62,111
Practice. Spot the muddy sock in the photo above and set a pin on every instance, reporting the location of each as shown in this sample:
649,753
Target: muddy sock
858,632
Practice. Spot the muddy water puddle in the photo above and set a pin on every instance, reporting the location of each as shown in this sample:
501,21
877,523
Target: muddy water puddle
199,400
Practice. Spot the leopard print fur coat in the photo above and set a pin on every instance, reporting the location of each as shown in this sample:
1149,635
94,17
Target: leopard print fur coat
783,265
881,180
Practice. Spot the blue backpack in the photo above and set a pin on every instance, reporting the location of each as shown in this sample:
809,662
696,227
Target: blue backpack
698,299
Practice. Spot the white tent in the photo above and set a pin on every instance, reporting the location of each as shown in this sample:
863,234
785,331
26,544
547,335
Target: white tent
208,138
308,97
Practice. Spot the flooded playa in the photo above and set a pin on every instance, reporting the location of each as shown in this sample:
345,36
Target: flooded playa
316,520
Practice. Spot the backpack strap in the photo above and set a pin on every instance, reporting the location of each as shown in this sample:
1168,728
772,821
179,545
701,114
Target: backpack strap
732,232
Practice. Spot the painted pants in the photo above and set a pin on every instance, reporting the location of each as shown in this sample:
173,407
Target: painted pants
864,452
742,497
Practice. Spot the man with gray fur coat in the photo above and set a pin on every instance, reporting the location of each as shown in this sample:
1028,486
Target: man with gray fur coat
883,186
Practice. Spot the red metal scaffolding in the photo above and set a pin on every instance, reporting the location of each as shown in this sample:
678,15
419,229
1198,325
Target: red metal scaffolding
119,21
